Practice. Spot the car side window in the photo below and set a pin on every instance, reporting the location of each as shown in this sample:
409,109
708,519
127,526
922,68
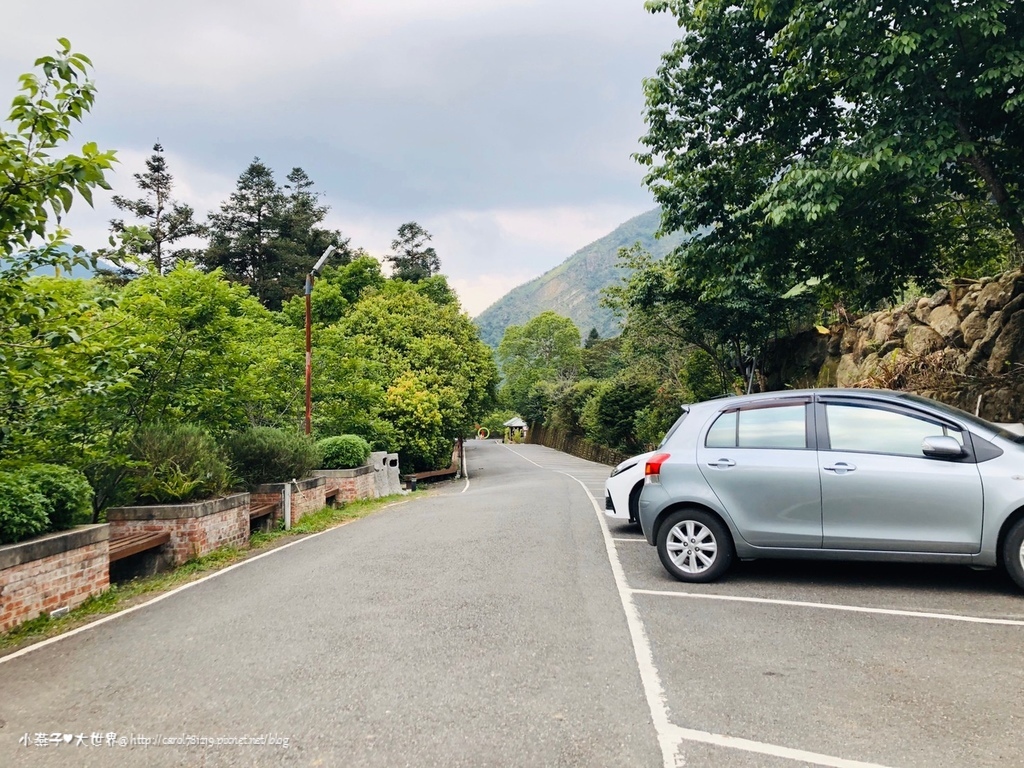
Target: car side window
775,427
874,430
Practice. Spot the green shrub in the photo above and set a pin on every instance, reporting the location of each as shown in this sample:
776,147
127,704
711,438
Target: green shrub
67,491
267,455
24,511
177,464
343,452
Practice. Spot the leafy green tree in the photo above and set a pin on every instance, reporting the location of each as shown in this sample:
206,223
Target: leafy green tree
782,128
610,414
547,348
413,260
39,180
928,91
398,352
166,220
33,183
336,290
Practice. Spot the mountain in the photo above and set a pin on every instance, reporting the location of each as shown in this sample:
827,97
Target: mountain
573,288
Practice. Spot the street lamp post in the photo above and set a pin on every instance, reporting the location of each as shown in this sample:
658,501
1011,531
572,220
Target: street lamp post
314,272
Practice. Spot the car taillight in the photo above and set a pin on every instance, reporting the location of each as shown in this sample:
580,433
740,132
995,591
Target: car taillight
652,470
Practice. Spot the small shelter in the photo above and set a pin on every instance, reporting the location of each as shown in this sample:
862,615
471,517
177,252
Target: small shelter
515,430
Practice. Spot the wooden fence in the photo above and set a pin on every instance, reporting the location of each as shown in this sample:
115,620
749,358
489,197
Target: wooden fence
577,446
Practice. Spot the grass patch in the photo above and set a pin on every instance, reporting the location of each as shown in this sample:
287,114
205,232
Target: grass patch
121,596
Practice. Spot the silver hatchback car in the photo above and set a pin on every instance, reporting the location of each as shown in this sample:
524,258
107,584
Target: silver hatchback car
837,474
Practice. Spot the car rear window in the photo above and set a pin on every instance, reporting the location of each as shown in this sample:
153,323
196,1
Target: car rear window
763,427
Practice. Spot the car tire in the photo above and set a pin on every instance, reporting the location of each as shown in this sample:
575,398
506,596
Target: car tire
694,546
1013,553
634,503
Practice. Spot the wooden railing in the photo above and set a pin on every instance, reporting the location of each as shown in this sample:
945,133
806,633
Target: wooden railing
577,446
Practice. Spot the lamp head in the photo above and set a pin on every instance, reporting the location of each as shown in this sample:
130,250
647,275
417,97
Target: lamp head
323,260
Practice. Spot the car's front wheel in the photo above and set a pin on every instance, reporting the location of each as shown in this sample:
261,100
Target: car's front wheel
1013,553
694,546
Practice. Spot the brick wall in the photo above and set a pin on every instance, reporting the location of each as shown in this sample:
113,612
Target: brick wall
352,484
58,570
195,529
307,496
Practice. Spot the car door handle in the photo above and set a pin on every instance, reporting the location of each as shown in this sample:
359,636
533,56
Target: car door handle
841,468
722,463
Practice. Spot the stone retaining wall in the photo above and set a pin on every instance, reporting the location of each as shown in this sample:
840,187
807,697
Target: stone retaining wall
196,529
964,346
58,570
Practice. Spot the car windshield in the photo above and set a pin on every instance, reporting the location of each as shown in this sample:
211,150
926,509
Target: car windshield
962,415
674,427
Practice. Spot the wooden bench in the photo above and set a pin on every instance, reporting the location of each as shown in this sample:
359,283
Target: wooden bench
134,543
262,510
436,474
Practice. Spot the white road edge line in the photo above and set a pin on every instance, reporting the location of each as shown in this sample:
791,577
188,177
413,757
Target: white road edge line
671,736
77,630
833,607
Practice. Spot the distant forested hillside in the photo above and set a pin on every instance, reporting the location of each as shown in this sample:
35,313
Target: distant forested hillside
573,288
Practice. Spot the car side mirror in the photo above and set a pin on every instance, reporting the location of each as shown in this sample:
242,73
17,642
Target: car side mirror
942,447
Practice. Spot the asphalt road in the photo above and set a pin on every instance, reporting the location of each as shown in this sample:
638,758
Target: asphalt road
505,623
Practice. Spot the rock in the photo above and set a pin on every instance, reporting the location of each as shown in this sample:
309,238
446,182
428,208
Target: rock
920,340
944,320
848,372
903,323
973,327
882,332
940,297
968,303
889,347
1009,347
992,297
922,311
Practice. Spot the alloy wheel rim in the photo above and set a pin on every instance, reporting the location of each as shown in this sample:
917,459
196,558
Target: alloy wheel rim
693,548
1021,555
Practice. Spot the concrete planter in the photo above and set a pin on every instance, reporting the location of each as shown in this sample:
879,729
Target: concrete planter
54,571
196,529
307,496
351,484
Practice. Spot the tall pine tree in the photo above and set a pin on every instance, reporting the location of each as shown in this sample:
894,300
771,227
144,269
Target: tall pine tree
268,237
167,220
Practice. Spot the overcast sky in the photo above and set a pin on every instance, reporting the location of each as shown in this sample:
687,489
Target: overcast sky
504,127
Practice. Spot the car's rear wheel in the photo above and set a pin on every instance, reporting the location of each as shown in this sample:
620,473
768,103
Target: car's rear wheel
694,546
1013,553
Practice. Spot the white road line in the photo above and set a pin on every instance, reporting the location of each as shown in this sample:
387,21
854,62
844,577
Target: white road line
833,607
91,625
635,539
671,736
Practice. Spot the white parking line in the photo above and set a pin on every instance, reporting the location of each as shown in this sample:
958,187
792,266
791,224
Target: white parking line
633,539
832,607
671,736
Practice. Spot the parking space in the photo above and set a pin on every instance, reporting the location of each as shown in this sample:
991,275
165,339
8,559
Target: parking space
784,663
